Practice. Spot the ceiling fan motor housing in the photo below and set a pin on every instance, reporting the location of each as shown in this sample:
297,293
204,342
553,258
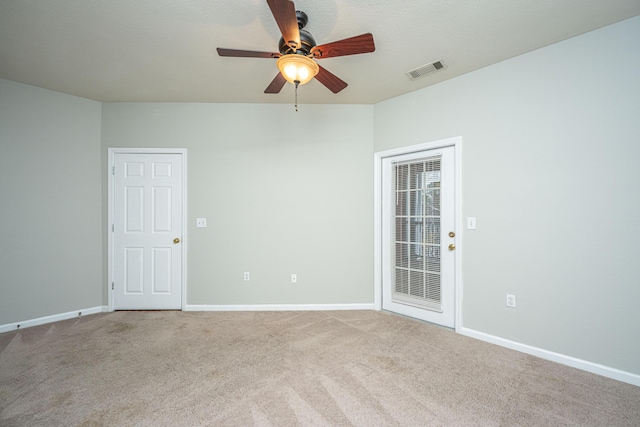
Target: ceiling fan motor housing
307,42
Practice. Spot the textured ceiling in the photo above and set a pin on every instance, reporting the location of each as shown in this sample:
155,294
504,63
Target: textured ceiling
164,50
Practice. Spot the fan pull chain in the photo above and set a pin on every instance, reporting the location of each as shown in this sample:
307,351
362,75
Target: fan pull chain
297,82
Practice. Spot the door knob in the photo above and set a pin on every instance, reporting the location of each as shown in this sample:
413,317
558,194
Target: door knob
452,247
176,240
452,234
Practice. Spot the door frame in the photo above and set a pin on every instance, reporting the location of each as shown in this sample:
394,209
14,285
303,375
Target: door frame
110,215
378,158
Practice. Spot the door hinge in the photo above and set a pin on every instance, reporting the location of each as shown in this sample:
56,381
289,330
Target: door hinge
113,227
113,170
111,285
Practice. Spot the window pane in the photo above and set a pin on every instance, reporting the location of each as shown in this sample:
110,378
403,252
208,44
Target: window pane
402,281
416,283
401,203
402,255
415,257
402,230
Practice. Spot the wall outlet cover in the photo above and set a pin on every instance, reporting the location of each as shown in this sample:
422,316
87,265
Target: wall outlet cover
471,223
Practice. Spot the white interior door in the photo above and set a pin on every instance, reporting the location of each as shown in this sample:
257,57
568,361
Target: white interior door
147,231
419,235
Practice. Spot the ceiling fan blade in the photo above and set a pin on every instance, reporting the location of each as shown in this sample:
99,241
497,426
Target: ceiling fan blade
284,11
237,53
276,85
351,46
330,80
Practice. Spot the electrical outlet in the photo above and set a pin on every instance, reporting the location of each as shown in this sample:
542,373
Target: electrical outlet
201,222
511,300
247,276
294,278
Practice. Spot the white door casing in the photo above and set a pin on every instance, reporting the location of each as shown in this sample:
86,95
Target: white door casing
418,273
147,231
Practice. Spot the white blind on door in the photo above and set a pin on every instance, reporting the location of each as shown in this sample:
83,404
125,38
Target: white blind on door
416,233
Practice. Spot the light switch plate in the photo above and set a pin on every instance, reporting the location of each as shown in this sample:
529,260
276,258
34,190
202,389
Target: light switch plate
201,222
471,223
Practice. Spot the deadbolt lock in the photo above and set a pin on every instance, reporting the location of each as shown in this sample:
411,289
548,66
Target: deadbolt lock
452,234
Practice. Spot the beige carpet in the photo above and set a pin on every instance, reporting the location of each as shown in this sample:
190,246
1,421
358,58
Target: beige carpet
342,368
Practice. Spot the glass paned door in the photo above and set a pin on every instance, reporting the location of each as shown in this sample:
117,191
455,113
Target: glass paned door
418,209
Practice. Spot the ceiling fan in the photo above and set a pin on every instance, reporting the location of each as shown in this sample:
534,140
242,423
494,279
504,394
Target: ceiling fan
298,49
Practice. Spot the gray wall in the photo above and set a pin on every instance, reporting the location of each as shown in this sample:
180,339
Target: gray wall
283,192
50,203
551,152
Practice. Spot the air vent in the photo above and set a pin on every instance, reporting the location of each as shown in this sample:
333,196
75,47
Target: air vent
425,70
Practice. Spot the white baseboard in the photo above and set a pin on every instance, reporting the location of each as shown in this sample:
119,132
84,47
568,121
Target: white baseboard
280,307
584,365
53,318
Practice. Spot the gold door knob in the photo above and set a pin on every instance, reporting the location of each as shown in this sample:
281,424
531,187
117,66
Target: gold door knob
452,247
176,240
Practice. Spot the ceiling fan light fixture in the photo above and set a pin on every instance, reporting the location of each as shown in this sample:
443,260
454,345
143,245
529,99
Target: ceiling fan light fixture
297,68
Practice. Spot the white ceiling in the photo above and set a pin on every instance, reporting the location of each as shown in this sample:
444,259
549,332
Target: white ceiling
164,50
